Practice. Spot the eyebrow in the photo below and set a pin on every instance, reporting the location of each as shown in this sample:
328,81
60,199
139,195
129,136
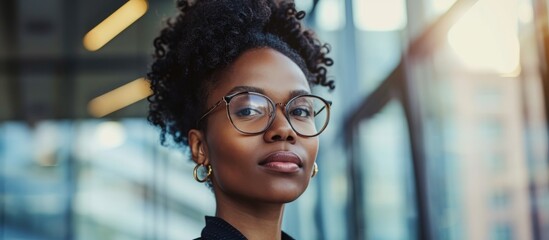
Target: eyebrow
262,91
246,89
295,93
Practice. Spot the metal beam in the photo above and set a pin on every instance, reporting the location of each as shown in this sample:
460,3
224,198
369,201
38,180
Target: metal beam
542,36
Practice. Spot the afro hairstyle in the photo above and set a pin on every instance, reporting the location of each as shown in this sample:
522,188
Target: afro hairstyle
206,37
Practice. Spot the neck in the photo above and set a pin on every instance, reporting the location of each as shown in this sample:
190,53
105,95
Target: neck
253,220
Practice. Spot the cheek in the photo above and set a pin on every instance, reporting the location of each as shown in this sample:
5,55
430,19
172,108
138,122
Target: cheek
234,165
310,145
228,151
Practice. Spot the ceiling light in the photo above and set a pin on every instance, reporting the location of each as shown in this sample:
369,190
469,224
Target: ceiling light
114,24
119,98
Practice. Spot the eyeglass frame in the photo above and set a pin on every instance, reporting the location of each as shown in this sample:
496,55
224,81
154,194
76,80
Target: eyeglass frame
227,99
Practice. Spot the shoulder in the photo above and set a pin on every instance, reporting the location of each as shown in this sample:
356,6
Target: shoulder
285,236
217,228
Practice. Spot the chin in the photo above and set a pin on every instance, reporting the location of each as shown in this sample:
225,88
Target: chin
274,191
285,195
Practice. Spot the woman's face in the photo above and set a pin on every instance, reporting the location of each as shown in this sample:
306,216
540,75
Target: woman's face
274,166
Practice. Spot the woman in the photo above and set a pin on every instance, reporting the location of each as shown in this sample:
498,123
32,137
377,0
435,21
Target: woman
231,80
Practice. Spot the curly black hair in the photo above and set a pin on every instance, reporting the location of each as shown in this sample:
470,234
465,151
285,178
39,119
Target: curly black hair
205,38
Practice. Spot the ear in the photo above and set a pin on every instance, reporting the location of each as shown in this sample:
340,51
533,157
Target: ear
199,149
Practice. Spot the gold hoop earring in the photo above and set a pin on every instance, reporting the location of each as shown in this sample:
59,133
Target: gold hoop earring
195,173
315,170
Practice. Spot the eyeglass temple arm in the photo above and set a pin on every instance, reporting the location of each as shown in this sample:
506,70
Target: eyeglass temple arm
329,104
209,111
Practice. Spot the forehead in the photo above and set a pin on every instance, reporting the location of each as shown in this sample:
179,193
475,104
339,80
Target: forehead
263,68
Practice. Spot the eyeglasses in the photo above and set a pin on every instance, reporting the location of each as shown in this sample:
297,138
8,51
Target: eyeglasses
253,113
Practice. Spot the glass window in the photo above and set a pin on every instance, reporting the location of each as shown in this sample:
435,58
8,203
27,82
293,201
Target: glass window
377,55
489,98
377,15
500,200
34,187
331,15
435,8
490,130
495,161
473,112
388,189
97,180
501,231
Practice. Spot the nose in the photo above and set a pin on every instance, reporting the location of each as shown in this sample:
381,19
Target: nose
280,129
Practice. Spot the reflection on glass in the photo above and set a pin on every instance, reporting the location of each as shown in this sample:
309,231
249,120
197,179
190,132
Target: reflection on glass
495,45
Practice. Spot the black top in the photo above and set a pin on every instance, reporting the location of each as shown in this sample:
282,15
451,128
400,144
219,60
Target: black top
217,229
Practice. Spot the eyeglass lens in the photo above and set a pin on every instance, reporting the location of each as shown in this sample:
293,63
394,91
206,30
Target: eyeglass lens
252,113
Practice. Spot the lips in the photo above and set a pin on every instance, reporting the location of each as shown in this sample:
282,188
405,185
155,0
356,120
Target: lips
283,161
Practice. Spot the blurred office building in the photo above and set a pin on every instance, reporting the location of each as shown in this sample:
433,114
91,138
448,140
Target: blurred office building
438,127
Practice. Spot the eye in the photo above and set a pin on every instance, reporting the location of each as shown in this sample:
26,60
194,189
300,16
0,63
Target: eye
300,112
248,112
